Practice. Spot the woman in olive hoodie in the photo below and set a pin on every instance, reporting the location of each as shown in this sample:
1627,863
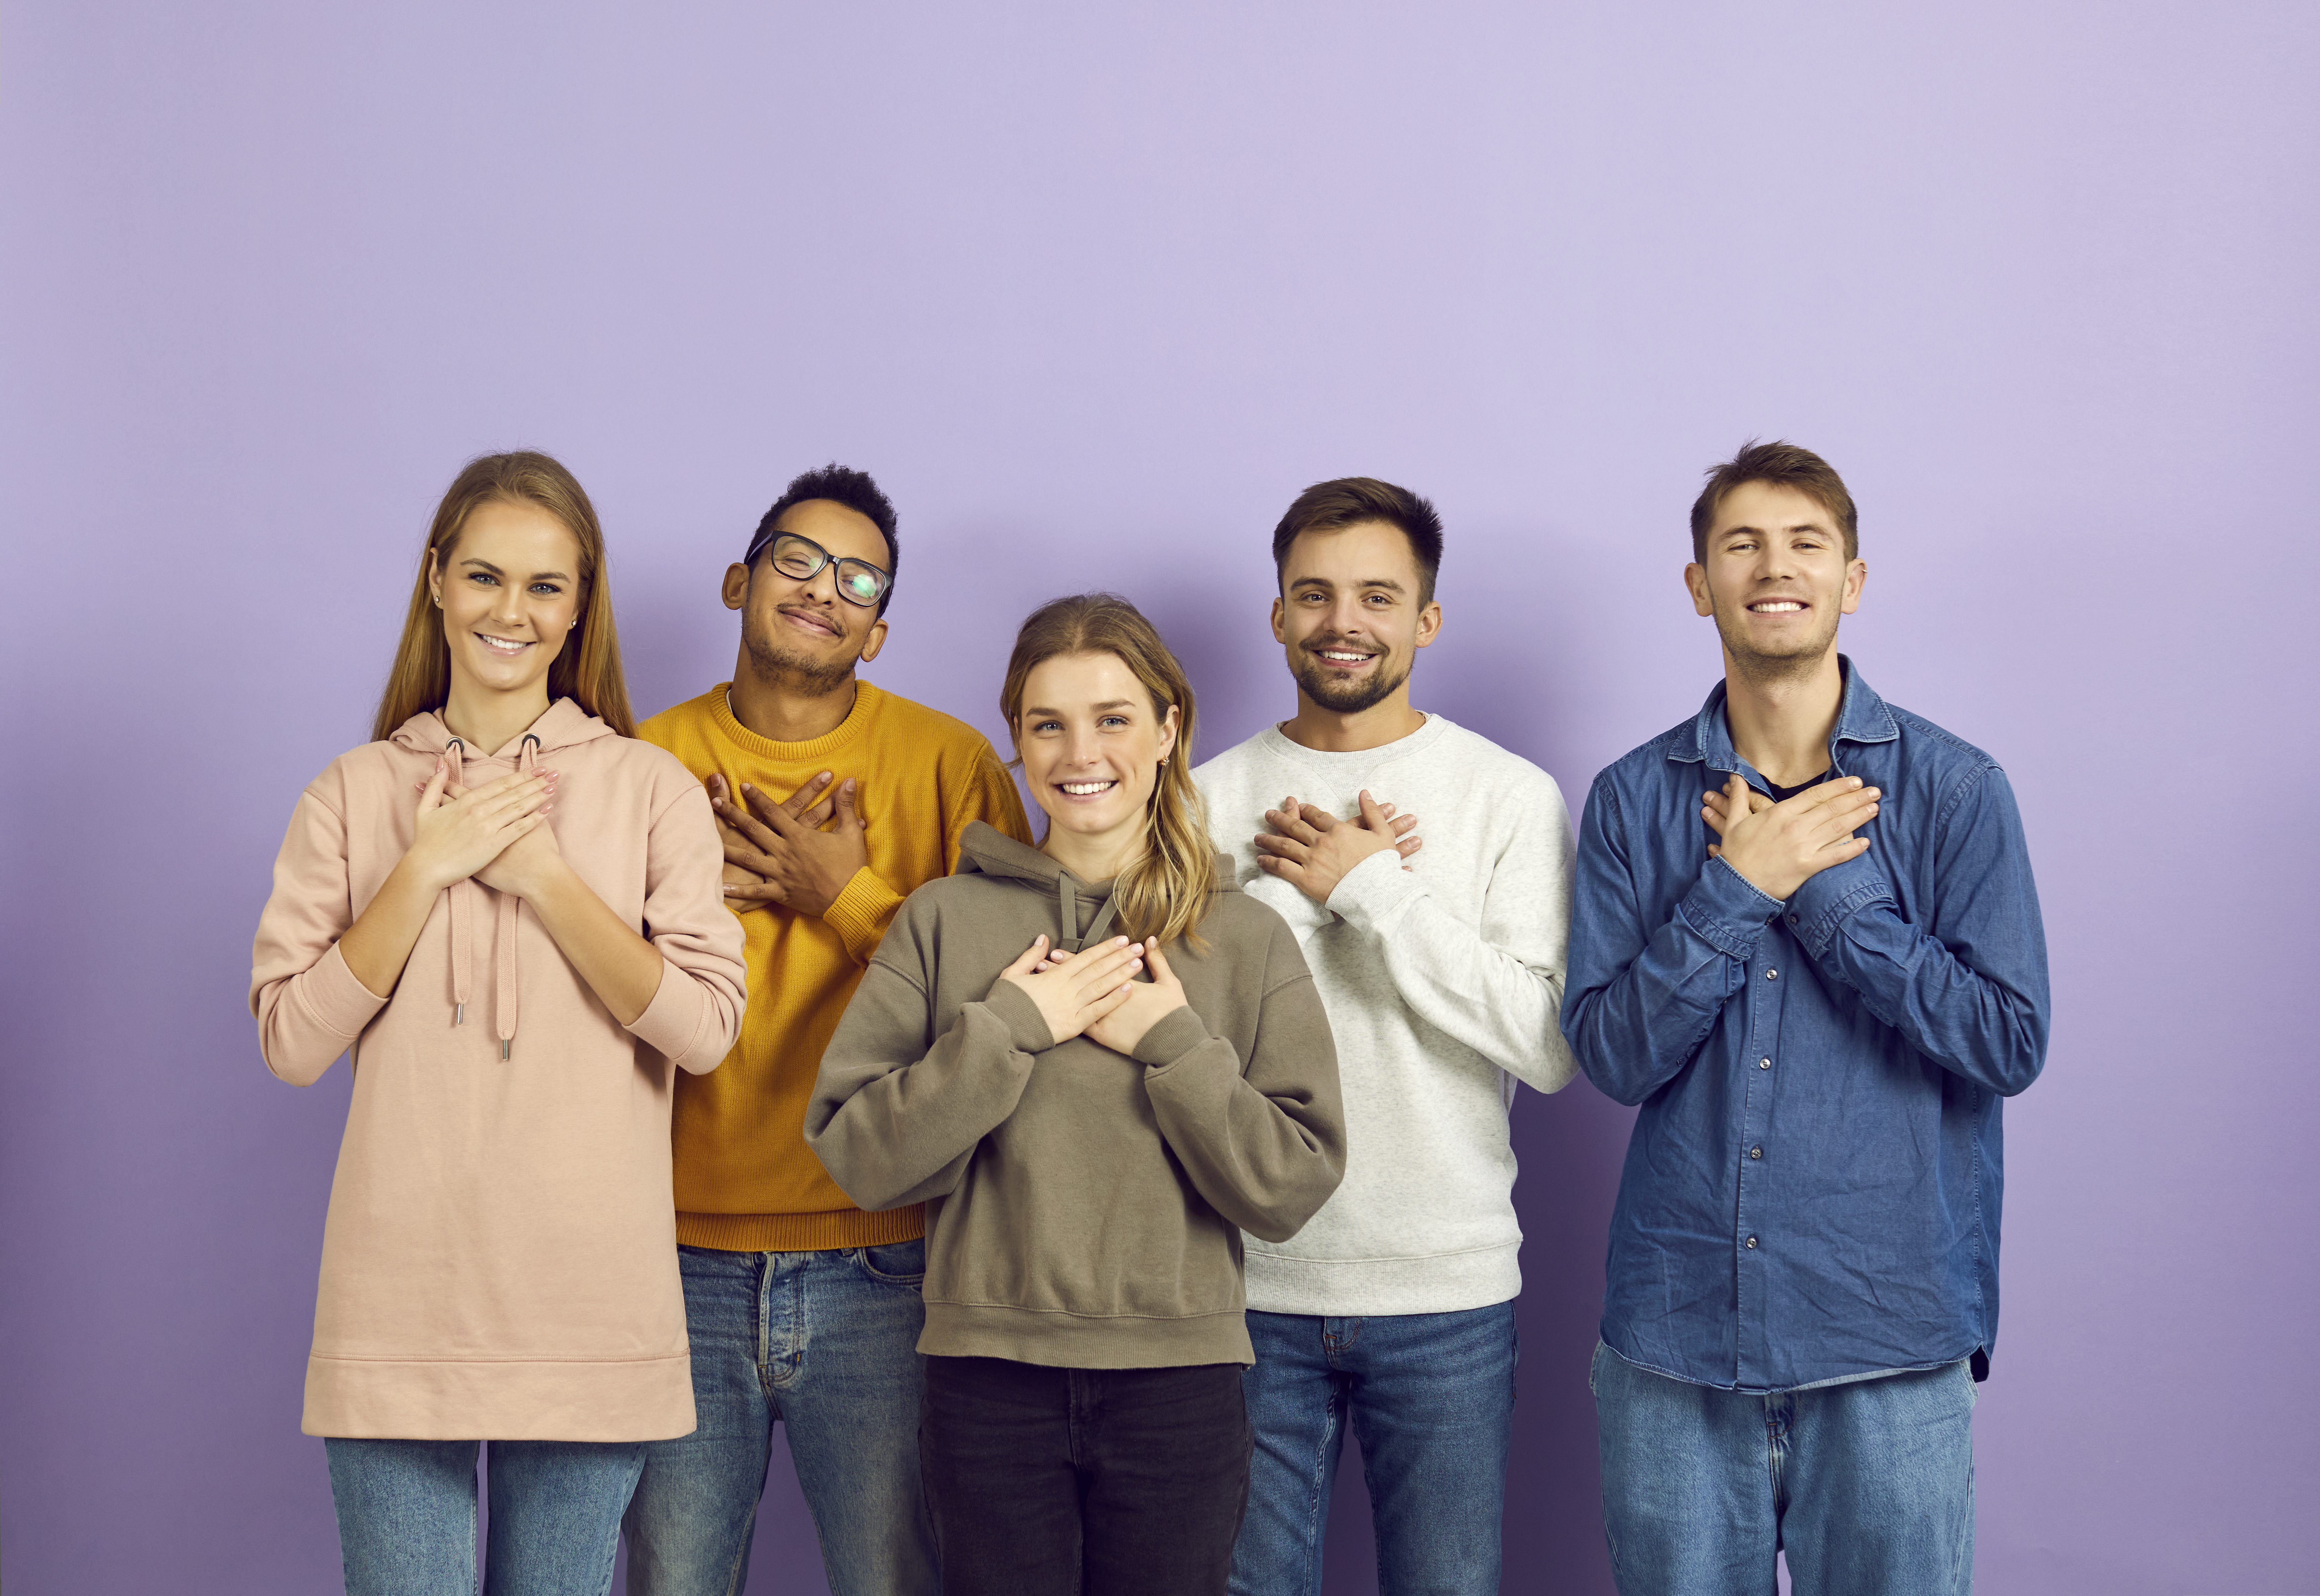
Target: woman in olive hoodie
509,911
1090,1145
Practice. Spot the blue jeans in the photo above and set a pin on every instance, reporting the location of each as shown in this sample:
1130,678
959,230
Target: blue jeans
1868,1486
827,1343
407,1515
1431,1397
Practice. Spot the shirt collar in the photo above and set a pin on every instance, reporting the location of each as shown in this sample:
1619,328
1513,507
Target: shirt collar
1861,717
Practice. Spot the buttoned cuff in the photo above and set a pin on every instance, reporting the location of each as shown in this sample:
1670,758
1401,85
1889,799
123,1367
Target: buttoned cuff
1012,1006
1370,894
1725,908
861,912
1172,1036
1825,901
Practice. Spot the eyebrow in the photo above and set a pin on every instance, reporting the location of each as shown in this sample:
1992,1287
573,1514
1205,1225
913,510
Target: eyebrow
1366,582
1109,704
495,570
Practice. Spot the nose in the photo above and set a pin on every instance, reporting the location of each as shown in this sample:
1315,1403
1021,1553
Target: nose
822,585
1079,747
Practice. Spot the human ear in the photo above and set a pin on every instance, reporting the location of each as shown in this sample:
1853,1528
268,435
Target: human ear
1168,734
1280,633
1695,578
876,641
435,578
1856,577
1429,624
735,589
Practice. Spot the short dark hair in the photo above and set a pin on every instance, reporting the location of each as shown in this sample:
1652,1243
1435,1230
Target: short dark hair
1348,501
840,485
1784,465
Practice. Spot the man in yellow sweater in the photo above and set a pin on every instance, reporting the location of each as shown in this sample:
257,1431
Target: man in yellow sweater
837,799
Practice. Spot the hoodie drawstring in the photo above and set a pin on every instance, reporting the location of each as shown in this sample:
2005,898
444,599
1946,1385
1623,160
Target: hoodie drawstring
505,913
1068,905
461,954
504,944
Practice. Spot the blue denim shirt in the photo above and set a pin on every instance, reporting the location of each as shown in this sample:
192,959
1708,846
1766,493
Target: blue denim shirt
1811,1190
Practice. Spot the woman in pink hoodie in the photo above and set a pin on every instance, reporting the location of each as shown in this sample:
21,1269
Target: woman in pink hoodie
509,913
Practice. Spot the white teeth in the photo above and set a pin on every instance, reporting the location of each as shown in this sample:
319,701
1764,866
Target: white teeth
501,642
1780,608
1085,789
1343,657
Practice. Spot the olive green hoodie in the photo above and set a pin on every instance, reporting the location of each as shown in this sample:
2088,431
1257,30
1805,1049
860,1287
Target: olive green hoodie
1084,1208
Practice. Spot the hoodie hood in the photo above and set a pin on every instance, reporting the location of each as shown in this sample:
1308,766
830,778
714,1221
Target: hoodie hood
985,850
565,726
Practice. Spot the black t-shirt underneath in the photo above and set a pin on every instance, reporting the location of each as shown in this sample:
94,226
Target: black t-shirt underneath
1782,794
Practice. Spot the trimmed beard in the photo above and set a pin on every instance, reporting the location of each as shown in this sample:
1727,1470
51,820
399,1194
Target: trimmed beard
1351,698
812,678
1774,667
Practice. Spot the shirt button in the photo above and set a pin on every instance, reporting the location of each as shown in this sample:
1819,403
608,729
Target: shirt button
1756,1152
1772,975
1792,919
1751,1241
1763,1064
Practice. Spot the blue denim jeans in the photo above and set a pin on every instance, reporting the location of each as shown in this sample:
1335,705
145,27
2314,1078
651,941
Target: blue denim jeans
407,1515
1868,1487
827,1343
1431,1398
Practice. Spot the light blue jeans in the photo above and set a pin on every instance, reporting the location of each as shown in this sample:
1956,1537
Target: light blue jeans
825,1343
1867,1486
407,1515
1431,1397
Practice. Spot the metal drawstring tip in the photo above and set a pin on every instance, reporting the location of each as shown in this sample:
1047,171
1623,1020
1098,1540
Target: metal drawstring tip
458,1013
506,1043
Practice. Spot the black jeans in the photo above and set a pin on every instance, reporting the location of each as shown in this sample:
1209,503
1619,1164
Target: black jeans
1083,1481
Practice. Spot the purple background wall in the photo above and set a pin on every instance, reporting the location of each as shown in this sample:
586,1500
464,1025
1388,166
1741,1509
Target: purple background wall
1095,290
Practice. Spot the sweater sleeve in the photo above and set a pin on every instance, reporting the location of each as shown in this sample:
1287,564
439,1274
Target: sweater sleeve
898,1110
1496,986
309,1006
1266,1146
696,1011
988,795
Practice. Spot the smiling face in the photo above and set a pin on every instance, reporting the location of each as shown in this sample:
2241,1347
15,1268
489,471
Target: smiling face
800,634
509,586
1775,580
1092,745
1349,615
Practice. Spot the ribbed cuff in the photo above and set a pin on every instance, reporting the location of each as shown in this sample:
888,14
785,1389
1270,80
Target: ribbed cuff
335,1000
1012,1006
677,1023
862,913
1370,893
1172,1036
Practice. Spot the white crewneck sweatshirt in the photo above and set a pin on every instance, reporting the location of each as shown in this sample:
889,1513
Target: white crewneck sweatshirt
1443,985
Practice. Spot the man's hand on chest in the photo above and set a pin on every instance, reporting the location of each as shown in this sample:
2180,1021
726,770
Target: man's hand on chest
1314,850
777,852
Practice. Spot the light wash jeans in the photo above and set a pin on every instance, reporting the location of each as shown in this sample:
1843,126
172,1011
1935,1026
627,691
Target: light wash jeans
1431,1397
827,1343
1867,1486
407,1515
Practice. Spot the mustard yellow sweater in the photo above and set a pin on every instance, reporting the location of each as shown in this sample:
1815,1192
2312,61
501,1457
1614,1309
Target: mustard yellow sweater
746,1181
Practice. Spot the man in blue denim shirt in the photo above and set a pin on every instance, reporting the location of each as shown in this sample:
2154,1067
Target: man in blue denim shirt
1807,942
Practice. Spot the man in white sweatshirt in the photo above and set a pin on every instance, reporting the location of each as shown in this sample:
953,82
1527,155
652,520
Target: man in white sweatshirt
1438,952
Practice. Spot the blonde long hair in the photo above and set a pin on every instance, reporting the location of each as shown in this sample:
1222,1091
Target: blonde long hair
587,669
1166,892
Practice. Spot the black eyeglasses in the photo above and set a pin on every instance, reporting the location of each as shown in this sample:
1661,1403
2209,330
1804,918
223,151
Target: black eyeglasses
858,581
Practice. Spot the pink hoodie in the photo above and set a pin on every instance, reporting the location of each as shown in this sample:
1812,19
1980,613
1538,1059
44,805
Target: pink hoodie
499,1260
